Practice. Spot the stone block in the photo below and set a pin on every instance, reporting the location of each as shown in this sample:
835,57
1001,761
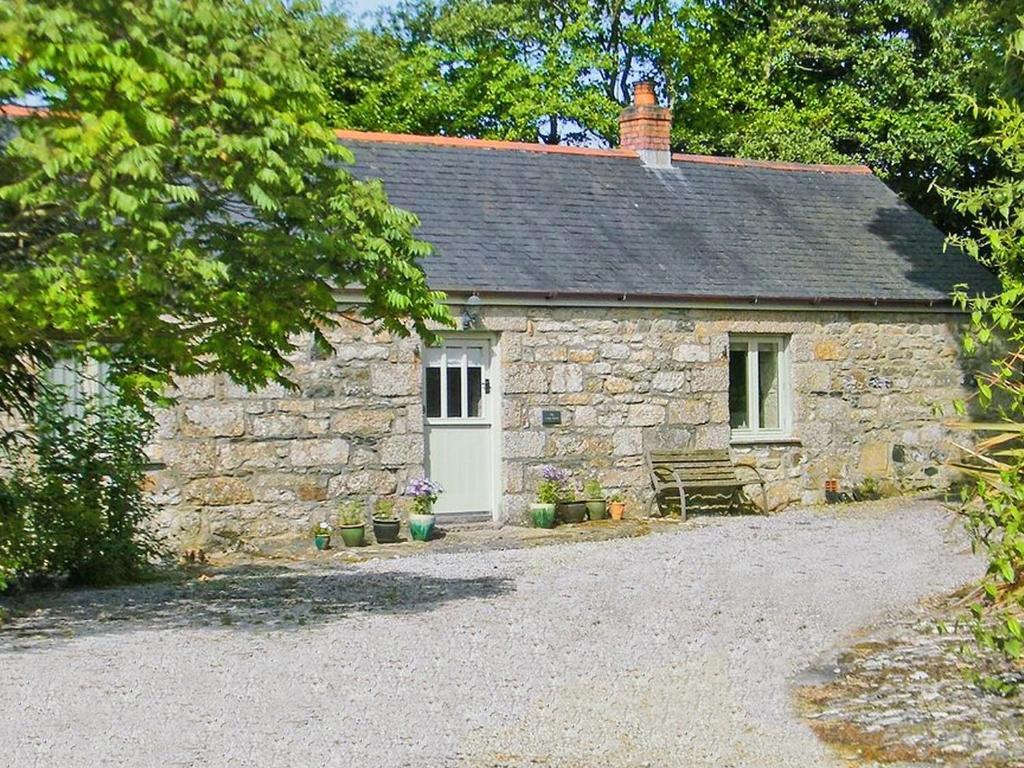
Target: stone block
691,353
646,415
668,381
280,425
213,420
614,351
318,452
217,491
250,455
617,385
713,377
392,380
713,436
689,412
628,442
362,422
365,481
874,459
524,444
566,378
522,379
397,450
195,387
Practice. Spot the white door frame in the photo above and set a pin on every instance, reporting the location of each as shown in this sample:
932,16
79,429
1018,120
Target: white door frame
495,403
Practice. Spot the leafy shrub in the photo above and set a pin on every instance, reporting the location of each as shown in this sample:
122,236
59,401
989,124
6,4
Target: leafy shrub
350,513
385,508
994,504
592,490
73,502
554,485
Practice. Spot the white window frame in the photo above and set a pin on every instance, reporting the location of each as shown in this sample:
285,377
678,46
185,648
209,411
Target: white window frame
485,374
754,433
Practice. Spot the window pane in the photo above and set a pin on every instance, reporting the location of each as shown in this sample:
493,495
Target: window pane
474,380
738,387
768,385
454,385
433,393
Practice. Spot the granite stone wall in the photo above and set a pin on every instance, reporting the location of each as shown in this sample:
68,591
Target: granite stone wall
239,467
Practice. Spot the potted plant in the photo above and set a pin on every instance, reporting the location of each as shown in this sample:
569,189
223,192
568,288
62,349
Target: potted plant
568,509
350,520
322,535
597,508
385,521
548,491
424,493
616,506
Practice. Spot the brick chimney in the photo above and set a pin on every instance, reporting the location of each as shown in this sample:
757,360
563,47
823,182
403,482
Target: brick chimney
644,127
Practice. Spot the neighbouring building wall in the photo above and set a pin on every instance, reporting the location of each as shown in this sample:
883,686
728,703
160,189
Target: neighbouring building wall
239,466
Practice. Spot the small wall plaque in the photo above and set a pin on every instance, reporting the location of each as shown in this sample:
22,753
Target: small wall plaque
550,418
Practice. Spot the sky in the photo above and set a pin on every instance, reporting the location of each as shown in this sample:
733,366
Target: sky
359,7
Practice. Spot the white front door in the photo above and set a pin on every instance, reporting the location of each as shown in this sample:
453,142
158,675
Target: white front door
459,417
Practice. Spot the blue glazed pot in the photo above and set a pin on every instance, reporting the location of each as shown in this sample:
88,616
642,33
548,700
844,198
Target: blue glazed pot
322,542
421,526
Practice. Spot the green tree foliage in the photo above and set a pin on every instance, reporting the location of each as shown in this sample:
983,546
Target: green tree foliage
994,506
183,208
873,81
528,70
71,499
879,82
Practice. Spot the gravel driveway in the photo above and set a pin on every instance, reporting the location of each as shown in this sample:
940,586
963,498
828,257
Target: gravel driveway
676,649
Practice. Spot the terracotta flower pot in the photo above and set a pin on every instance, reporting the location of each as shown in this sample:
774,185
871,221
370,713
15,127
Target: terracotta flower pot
617,509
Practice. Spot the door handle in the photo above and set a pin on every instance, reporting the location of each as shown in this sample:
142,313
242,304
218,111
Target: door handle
487,386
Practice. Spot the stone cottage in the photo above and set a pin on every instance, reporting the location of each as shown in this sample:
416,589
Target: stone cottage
612,301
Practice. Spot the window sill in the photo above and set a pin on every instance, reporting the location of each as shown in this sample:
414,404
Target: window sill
764,440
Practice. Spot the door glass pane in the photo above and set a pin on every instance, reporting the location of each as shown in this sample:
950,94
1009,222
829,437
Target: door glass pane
768,385
738,387
454,388
433,393
474,381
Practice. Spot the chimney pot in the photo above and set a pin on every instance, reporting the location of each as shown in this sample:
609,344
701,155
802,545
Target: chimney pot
643,94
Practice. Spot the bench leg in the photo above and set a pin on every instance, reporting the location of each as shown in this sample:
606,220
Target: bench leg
682,503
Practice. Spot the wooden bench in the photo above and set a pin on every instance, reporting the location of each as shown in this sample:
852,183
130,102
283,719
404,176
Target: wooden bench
708,471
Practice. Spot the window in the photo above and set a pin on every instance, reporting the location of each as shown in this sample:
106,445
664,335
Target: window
759,395
454,382
81,382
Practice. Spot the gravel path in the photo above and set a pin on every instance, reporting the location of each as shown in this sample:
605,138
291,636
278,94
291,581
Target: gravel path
678,649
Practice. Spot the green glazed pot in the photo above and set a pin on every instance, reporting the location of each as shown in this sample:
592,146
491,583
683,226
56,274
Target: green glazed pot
322,542
543,515
571,511
386,531
421,526
597,510
353,535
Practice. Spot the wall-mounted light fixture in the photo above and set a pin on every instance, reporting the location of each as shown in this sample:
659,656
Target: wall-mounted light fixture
471,312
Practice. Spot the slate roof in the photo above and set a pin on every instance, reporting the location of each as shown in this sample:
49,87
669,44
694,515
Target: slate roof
513,219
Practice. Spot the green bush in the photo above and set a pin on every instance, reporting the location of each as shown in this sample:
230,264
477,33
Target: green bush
72,504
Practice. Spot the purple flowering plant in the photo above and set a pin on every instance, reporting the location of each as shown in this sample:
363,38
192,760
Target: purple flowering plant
554,485
424,493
